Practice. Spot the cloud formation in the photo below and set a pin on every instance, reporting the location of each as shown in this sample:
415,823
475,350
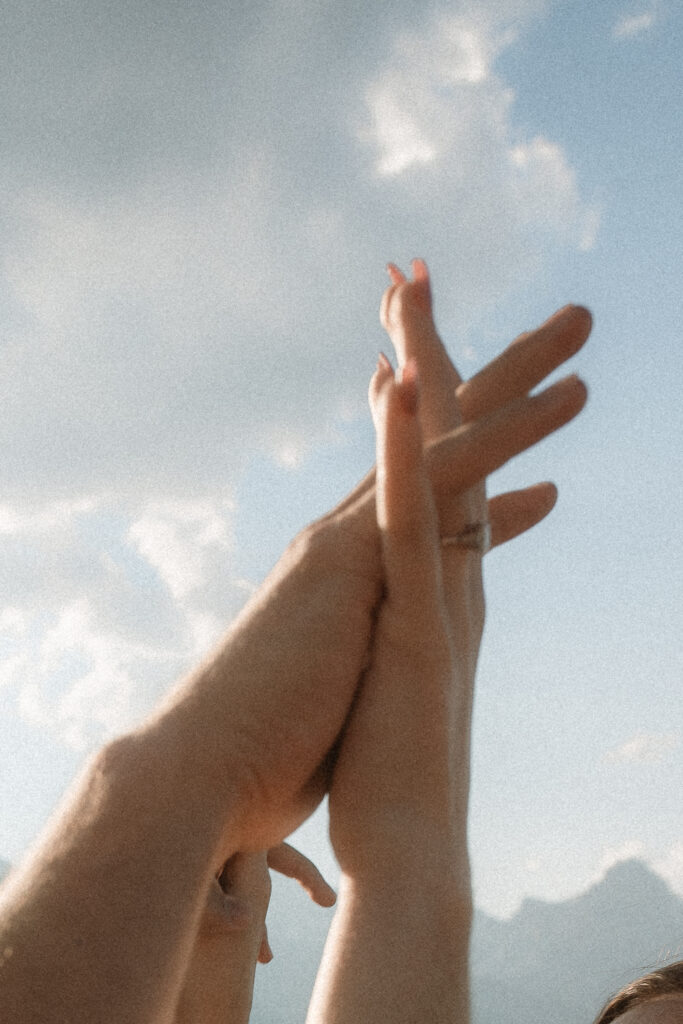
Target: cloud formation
643,748
194,215
631,25
109,609
195,201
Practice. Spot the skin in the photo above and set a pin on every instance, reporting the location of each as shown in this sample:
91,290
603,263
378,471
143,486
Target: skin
365,803
399,794
232,935
240,752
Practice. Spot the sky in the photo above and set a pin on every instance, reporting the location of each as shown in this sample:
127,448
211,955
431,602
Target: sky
197,204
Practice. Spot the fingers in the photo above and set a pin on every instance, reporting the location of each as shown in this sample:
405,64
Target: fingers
406,315
470,453
513,513
293,864
521,367
525,363
405,508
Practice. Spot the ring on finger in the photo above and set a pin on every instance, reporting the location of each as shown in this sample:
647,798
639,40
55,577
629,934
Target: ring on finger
473,537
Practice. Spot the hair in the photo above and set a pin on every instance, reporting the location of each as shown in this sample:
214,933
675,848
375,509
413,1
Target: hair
665,981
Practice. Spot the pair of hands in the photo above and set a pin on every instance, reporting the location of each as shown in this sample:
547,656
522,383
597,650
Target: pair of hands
242,750
288,671
368,593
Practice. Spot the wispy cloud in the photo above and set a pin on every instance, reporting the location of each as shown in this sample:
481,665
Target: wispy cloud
631,25
180,540
110,609
186,269
643,748
186,277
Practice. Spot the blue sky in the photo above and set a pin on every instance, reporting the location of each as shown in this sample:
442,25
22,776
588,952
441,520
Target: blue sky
198,203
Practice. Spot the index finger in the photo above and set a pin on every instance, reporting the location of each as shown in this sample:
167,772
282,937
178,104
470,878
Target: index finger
406,514
406,315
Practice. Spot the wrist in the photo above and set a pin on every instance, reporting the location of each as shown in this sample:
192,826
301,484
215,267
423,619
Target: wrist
417,884
403,844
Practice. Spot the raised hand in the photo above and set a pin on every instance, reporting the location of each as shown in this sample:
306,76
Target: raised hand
397,950
447,400
406,314
238,754
289,666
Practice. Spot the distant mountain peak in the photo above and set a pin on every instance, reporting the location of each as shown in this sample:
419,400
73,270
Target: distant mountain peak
633,869
526,969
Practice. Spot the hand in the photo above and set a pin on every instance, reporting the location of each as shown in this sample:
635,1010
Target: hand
400,782
232,934
398,799
285,677
406,314
404,758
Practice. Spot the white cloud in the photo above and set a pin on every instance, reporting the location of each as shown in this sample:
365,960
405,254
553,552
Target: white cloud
401,143
632,25
190,268
632,849
44,520
194,251
643,748
13,621
590,228
83,683
114,607
181,540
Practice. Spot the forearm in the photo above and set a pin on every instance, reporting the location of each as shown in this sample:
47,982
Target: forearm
397,952
398,948
102,916
403,938
219,984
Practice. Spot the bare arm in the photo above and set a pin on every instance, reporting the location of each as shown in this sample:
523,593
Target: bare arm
93,925
397,950
232,937
398,947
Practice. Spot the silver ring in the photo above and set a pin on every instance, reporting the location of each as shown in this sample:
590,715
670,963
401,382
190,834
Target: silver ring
473,537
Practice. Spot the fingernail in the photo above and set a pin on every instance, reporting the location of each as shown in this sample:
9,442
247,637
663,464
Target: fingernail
383,364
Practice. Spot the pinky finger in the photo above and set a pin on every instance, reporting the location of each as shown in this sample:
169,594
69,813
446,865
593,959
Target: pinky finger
516,512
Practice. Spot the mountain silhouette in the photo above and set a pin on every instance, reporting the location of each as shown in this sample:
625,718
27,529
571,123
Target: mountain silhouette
561,961
554,962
